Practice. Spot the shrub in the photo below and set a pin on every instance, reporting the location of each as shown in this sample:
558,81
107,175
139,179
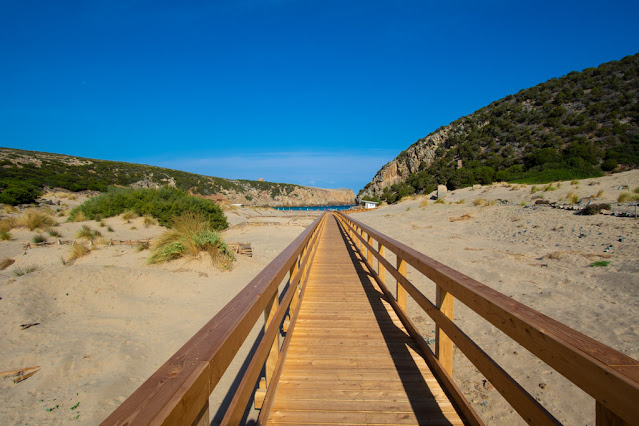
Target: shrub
624,197
77,216
600,263
144,245
636,190
162,204
16,193
148,221
39,238
440,201
88,233
191,234
479,202
424,203
19,271
599,194
534,189
54,233
593,209
33,219
5,235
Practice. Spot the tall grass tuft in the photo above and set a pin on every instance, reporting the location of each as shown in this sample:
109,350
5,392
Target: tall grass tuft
191,234
34,219
39,238
624,197
77,251
88,233
5,263
5,235
19,271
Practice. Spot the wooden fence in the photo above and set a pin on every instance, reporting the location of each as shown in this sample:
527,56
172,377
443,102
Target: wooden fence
609,376
178,392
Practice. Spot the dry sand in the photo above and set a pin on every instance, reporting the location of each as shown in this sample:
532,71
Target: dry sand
108,321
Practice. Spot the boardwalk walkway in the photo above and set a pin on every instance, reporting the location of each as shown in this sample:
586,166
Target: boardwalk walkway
350,360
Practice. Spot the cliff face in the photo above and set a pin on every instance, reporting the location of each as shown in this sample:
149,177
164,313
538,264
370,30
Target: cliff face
75,173
409,161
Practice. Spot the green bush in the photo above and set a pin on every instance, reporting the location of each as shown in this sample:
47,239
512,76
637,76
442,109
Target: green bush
163,204
15,192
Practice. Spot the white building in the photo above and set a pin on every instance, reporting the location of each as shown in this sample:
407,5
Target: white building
369,204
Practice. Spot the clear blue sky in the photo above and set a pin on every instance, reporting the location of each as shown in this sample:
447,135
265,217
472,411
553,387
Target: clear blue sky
313,92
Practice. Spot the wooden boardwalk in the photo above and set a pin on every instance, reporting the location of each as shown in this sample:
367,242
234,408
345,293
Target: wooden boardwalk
350,359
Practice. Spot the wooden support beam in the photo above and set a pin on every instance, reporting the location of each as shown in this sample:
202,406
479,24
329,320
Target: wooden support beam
401,291
369,257
269,314
443,345
605,417
381,271
203,418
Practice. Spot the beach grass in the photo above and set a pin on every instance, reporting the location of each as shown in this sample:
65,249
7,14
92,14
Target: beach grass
190,235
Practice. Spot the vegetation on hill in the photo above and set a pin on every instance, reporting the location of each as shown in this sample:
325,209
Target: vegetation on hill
163,204
573,127
25,173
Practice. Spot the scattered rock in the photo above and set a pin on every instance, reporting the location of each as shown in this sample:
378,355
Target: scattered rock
542,385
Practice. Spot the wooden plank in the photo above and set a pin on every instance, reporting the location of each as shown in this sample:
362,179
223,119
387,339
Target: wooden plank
369,418
328,353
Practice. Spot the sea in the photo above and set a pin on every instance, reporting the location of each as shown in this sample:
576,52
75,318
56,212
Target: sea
316,208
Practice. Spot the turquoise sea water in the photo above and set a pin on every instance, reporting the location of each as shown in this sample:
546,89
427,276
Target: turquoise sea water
320,208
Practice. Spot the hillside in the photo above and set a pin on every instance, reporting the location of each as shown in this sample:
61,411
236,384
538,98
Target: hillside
25,173
577,126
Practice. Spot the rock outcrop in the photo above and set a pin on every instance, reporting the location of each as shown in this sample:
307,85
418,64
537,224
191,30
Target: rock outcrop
409,161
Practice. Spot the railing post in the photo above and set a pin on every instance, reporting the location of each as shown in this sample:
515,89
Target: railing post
443,344
381,271
296,296
370,254
401,291
271,361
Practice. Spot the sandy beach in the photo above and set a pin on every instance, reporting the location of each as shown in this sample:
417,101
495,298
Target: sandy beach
107,321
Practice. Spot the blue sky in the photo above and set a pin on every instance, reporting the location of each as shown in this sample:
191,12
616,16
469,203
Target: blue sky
319,93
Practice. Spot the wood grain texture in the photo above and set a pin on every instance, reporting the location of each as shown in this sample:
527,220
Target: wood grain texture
350,360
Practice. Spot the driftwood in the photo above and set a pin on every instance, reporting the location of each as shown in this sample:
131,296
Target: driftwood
241,248
21,374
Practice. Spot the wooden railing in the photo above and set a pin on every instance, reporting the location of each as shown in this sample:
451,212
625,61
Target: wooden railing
178,392
609,376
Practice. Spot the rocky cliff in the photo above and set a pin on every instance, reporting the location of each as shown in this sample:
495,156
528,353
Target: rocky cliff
418,156
41,169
